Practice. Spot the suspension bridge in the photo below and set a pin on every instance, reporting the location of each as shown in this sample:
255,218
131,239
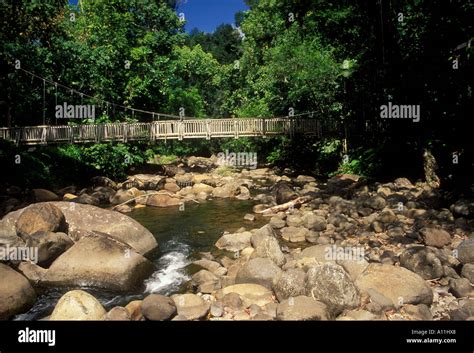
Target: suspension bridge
161,130
162,126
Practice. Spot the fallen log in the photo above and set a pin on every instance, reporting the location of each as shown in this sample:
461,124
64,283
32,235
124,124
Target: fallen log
283,207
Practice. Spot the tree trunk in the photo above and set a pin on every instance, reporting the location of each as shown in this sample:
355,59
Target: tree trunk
430,166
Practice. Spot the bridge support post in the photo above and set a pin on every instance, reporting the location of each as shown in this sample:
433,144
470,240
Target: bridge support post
44,135
17,137
125,132
152,135
208,130
180,130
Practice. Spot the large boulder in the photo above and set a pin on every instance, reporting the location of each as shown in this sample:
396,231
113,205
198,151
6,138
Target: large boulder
330,284
117,313
43,195
206,281
261,271
342,181
8,235
294,221
463,208
302,308
86,200
172,187
423,261
144,182
16,293
225,191
39,217
32,272
134,308
465,251
436,237
314,222
201,187
354,267
387,216
250,293
277,222
50,245
319,252
212,266
157,307
460,287
290,283
468,272
243,193
100,262
122,196
398,284
267,247
294,234
83,219
103,181
234,242
191,306
283,192
77,305
375,202
403,183
162,200
303,179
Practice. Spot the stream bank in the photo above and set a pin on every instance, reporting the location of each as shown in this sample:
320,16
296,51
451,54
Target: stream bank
353,251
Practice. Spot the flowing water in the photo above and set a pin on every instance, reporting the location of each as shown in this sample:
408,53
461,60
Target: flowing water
181,237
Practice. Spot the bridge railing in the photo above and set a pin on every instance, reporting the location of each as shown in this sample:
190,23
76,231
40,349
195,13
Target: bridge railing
164,129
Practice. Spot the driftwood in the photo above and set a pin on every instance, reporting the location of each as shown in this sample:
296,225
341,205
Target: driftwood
283,207
151,194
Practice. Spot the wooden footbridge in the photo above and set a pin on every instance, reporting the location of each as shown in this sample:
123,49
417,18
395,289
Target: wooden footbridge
161,130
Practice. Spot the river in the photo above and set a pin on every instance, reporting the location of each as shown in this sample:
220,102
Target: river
181,235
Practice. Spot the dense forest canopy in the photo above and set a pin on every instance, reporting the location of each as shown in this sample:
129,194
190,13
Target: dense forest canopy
341,60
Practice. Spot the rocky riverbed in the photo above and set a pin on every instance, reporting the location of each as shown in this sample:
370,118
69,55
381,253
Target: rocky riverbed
350,250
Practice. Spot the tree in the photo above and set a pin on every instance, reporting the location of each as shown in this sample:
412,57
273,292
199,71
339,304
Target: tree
26,36
224,43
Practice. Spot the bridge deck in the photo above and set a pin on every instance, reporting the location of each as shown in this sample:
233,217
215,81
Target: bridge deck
161,130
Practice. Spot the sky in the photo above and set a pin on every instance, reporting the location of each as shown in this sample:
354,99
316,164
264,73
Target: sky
206,15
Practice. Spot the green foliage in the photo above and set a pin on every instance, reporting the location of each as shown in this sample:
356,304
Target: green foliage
244,144
339,59
109,159
224,171
167,159
362,161
224,43
42,166
276,156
